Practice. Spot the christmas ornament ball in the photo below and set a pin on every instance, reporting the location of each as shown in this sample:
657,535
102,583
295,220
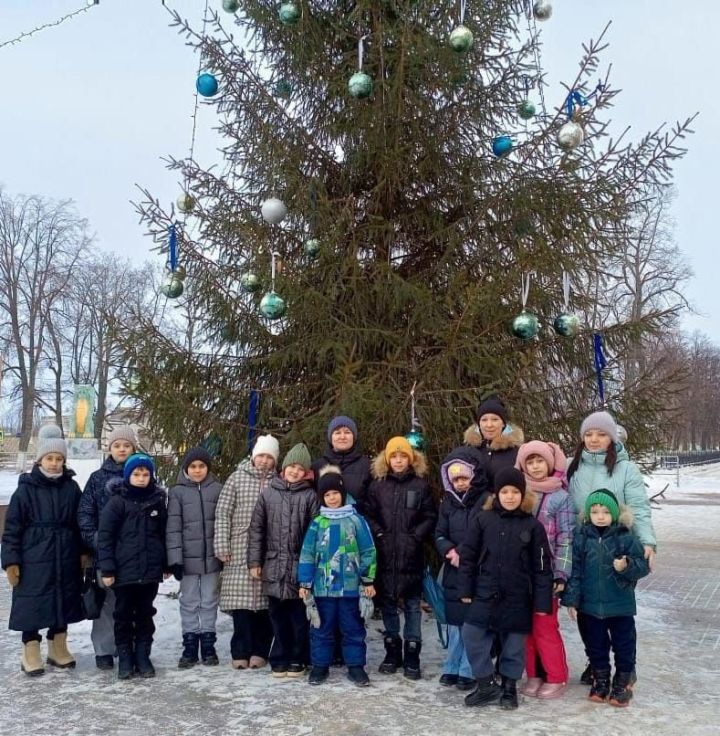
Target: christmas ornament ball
570,136
272,305
542,10
185,202
360,85
312,247
526,109
502,145
273,210
180,273
416,439
207,85
231,6
567,324
283,89
173,287
249,282
289,14
525,326
461,39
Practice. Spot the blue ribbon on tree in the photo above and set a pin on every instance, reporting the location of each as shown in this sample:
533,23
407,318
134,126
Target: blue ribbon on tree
172,243
600,364
577,98
252,417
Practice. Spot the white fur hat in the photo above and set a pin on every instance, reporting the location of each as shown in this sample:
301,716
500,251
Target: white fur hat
266,444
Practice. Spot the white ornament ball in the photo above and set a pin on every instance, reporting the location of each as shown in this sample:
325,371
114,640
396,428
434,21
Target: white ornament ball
542,10
185,202
570,136
273,210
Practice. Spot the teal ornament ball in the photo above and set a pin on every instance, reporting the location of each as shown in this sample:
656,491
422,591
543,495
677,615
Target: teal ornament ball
283,89
207,85
502,145
289,14
249,282
416,439
461,39
311,248
272,305
360,85
180,273
570,136
567,324
172,287
542,10
525,326
231,6
185,202
526,109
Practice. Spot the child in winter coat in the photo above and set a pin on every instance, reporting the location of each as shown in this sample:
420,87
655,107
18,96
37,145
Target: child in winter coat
505,576
41,554
543,464
241,595
281,517
191,555
401,512
608,560
466,490
337,566
132,560
122,443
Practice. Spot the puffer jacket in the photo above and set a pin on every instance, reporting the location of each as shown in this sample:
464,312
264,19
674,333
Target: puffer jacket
190,534
401,513
94,498
498,454
355,467
595,587
281,517
625,482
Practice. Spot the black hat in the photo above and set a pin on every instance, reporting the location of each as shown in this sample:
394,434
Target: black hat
510,477
196,453
492,405
331,479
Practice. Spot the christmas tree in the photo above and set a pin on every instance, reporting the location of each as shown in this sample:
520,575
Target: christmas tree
421,198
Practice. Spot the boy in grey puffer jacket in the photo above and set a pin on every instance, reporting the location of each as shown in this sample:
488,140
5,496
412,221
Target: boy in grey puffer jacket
190,542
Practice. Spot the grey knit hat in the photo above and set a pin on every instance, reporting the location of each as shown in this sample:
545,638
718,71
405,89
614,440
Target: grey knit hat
298,454
123,432
602,422
50,439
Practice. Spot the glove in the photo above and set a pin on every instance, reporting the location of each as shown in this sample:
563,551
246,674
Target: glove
177,571
366,608
311,611
13,575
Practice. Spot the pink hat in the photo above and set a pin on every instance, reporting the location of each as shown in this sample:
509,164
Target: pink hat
548,451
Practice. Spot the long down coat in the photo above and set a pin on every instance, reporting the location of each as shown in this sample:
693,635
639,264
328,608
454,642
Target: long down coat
42,536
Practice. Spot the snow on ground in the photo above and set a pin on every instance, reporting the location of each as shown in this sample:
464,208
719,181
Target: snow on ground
678,689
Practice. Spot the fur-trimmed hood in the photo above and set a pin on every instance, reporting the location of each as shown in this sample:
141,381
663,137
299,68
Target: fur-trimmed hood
513,439
527,505
380,467
625,518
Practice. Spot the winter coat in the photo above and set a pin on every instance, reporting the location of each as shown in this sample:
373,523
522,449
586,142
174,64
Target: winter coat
191,525
401,513
42,536
131,537
232,524
595,588
94,498
279,521
505,568
625,482
498,454
337,556
355,467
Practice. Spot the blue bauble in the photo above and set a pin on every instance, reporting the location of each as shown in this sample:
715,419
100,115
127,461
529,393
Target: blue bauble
207,85
272,305
416,439
502,145
525,326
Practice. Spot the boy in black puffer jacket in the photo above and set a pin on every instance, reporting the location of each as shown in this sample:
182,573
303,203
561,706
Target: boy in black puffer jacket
132,560
401,512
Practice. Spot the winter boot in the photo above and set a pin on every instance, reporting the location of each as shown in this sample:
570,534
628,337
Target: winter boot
358,676
509,698
466,683
104,662
318,675
486,692
587,678
601,686
411,660
126,662
393,656
622,686
143,665
189,656
448,680
31,662
58,654
207,648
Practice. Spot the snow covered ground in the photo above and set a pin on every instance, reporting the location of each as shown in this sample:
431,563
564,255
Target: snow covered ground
678,653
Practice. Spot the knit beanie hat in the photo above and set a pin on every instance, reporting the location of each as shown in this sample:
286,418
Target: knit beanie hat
196,453
123,432
605,498
341,421
492,405
460,469
602,422
536,447
266,444
298,454
331,479
399,444
138,460
510,477
50,439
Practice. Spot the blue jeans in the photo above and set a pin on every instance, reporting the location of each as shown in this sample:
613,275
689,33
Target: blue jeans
342,614
391,617
456,662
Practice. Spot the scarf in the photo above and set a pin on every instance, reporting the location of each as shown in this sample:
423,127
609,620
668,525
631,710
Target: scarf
341,513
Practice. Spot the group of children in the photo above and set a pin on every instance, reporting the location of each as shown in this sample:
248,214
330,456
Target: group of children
296,560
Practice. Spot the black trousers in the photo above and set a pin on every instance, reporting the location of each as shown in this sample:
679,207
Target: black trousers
134,613
602,634
35,635
252,634
290,629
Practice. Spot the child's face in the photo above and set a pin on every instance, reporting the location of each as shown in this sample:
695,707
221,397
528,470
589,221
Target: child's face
399,462
536,467
596,441
599,515
263,462
140,477
120,450
510,497
52,463
342,439
461,483
294,473
197,471
332,499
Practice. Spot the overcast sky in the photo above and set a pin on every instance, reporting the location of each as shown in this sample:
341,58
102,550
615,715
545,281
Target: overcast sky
91,106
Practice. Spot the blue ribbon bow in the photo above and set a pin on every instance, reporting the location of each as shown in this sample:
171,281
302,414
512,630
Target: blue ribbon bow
600,364
172,243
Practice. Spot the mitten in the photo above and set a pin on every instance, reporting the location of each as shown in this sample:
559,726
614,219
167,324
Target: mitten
367,609
311,611
177,571
13,575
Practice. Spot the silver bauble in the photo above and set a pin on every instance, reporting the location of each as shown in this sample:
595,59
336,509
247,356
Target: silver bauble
273,210
249,282
172,287
570,136
567,324
461,39
542,10
185,202
360,85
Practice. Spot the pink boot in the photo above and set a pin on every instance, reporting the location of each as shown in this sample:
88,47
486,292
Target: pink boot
532,686
551,690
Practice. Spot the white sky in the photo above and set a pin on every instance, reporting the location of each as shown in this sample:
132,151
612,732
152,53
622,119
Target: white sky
91,106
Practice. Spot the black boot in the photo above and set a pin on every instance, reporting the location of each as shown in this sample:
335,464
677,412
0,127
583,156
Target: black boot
393,656
318,675
411,657
586,678
207,648
486,692
509,699
126,662
622,686
104,662
189,656
358,676
601,686
143,665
